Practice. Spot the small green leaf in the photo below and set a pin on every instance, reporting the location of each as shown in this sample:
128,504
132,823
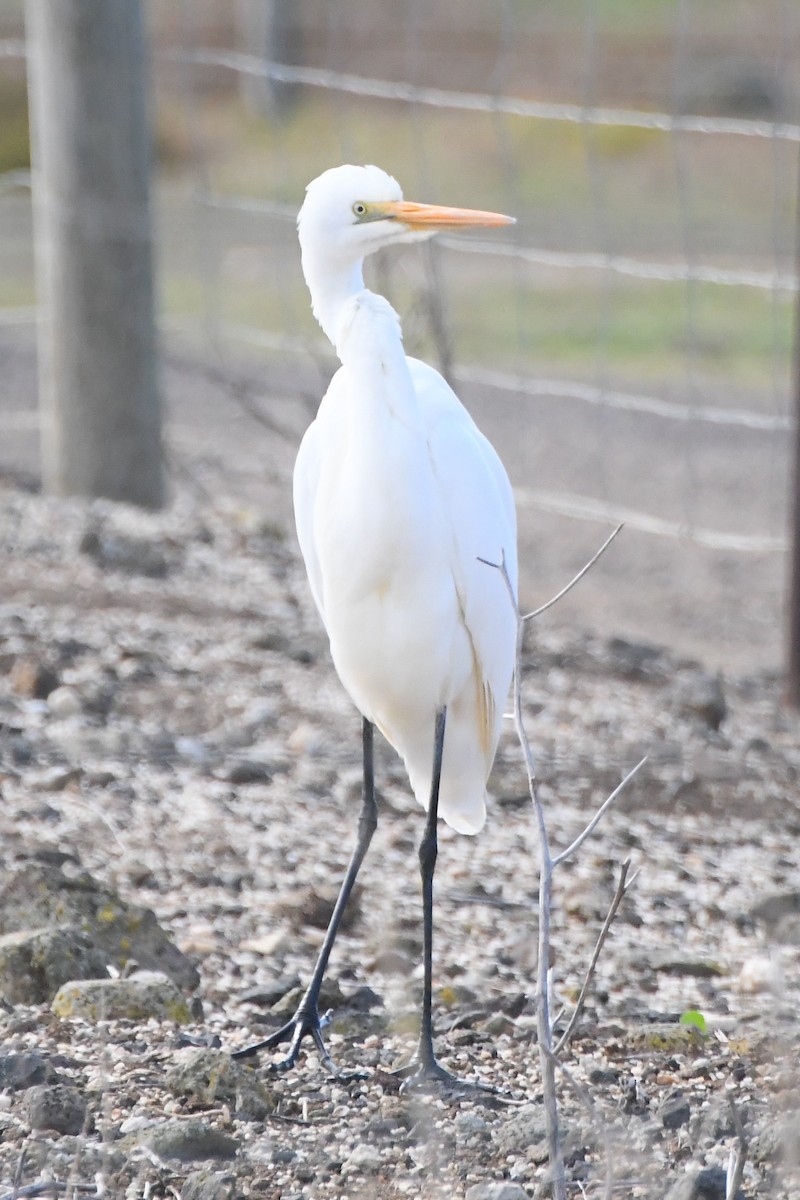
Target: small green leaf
695,1018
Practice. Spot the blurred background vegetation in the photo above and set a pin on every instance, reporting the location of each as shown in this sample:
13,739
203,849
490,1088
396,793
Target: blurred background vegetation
617,190
235,150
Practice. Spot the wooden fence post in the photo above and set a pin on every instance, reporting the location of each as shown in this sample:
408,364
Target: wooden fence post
99,402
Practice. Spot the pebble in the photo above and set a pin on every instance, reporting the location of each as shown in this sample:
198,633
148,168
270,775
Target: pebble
204,1185
760,974
364,1157
675,1111
34,964
189,1140
55,1106
208,1076
141,996
496,1191
64,702
32,678
38,895
23,1070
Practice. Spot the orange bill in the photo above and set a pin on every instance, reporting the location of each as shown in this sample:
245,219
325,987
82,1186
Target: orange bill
435,216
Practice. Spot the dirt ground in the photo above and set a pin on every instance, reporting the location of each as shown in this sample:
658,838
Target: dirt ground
172,725
722,606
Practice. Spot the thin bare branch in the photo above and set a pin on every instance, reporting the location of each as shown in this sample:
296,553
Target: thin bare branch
623,885
738,1155
576,579
590,828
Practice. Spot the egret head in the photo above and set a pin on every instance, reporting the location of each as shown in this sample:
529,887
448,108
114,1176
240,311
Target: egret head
350,211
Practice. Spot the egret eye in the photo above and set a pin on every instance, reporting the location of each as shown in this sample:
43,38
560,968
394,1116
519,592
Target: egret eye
360,208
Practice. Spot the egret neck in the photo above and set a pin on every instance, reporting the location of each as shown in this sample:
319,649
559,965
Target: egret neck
331,286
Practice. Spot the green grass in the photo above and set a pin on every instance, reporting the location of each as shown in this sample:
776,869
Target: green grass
15,151
634,331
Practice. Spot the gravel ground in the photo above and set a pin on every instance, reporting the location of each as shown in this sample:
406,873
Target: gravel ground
171,725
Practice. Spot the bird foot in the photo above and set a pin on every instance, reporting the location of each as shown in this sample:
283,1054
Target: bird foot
306,1022
425,1074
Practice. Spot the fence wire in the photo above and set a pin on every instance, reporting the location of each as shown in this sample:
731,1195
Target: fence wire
719,435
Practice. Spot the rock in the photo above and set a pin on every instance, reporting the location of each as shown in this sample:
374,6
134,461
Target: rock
331,996
675,1111
23,1070
141,996
718,1120
665,1038
708,1184
760,974
64,702
189,1141
55,1106
469,1125
498,1024
496,1191
700,697
32,678
39,895
635,660
246,770
314,906
123,552
780,914
269,994
524,1129
677,964
34,963
209,1077
773,909
364,1158
206,1185
57,779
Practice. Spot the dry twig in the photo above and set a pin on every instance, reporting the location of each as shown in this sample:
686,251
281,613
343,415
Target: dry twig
548,862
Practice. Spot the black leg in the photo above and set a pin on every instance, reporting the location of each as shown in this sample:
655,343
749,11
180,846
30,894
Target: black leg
428,852
306,1022
424,1070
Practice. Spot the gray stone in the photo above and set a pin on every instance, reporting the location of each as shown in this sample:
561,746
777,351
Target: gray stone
189,1141
496,1191
522,1130
708,1184
64,702
364,1157
55,1106
141,996
211,1077
207,1185
33,678
675,1111
700,697
122,552
34,963
23,1070
678,964
242,771
39,895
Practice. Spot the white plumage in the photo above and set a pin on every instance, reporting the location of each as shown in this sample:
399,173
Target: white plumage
398,495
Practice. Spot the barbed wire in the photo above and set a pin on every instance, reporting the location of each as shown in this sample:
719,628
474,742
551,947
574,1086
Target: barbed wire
584,508
687,271
409,93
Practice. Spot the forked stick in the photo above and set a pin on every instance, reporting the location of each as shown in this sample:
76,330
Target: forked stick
544,1023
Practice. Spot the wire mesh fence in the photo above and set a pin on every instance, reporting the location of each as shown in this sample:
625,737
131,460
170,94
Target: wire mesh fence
627,346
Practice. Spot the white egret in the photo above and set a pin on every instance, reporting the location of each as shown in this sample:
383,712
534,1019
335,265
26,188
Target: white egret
398,497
